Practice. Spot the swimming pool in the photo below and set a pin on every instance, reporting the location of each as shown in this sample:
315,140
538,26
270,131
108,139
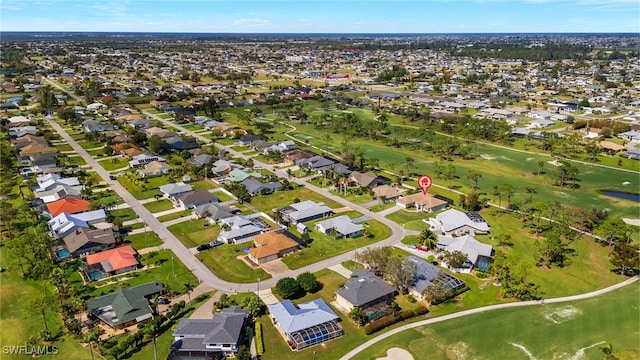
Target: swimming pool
62,254
96,275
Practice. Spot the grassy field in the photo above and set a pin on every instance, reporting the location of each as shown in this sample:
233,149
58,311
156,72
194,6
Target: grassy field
323,246
573,330
143,240
499,166
202,185
195,232
158,206
19,324
223,262
175,215
143,188
114,164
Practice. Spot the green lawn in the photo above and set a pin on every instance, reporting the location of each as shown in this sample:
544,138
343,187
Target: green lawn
282,198
114,164
158,206
63,147
143,240
143,188
223,196
551,331
175,215
18,324
195,232
123,214
223,262
160,270
202,185
380,207
323,246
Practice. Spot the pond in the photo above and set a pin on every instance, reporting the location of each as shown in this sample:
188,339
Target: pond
623,195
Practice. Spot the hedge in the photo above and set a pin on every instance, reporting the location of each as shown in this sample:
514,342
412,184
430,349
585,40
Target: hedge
258,338
389,320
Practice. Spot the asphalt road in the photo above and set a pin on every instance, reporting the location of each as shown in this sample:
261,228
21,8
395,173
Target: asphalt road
193,263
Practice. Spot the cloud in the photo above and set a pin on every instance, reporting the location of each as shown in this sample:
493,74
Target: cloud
251,23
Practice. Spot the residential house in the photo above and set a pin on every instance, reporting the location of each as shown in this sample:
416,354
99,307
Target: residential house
367,292
271,246
200,160
179,143
457,222
201,337
221,167
112,262
305,211
387,193
633,135
240,230
260,145
255,187
85,241
65,223
342,226
49,181
38,157
368,179
70,206
632,154
611,147
125,306
172,191
250,138
95,126
193,199
239,175
159,132
292,156
479,255
541,123
424,202
58,192
213,212
315,162
144,159
25,140
154,168
428,274
309,324
18,132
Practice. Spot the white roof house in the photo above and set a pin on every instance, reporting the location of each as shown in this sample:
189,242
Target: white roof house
455,221
308,324
479,254
342,225
65,223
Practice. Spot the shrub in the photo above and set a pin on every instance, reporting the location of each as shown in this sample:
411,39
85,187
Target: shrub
421,310
288,288
406,314
381,323
258,338
411,298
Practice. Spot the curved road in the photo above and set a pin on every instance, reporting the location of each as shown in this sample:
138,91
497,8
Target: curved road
193,263
378,338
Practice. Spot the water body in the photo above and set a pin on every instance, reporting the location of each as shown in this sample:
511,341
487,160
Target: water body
623,195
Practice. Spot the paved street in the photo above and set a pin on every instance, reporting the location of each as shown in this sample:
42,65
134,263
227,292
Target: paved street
188,258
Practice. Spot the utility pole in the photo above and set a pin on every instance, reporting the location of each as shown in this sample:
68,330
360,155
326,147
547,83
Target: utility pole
258,285
173,274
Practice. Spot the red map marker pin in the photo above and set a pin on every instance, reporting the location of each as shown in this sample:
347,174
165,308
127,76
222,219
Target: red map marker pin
424,182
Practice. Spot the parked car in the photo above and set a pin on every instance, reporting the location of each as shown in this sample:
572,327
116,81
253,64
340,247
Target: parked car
163,301
112,177
216,243
204,247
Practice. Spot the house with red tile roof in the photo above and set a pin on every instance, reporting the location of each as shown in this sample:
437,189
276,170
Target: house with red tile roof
71,206
113,261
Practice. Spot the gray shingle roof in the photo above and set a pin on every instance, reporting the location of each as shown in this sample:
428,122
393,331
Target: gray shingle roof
364,287
223,328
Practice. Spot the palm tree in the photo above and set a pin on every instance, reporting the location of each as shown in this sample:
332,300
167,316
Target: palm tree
607,350
152,330
357,316
427,239
188,288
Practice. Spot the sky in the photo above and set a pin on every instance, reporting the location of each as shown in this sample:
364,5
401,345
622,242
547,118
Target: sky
329,16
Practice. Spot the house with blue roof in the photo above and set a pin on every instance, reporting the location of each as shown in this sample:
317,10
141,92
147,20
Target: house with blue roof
308,324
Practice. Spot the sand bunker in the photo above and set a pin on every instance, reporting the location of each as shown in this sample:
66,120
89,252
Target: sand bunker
397,354
561,315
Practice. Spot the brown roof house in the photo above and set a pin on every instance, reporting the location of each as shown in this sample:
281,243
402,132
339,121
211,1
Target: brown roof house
387,193
155,168
271,246
422,202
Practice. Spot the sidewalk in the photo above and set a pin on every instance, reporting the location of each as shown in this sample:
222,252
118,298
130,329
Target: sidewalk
389,211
